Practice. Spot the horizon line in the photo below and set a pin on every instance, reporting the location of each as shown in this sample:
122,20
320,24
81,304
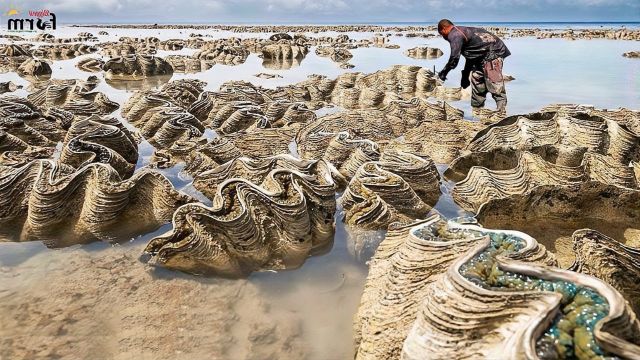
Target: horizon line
348,22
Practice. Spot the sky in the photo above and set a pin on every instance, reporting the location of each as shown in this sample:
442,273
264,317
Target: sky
329,11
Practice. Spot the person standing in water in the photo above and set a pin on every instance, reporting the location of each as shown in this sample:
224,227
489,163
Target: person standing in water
484,53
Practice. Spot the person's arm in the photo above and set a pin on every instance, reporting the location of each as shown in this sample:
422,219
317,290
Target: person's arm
456,41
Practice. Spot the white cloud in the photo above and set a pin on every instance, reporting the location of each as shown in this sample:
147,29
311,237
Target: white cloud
338,10
75,6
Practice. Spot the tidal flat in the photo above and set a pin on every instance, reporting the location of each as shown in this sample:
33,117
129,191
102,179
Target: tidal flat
222,192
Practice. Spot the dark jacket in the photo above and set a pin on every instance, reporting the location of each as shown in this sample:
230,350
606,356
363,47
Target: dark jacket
476,45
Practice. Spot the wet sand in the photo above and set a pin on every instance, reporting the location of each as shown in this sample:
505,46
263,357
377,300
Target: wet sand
112,307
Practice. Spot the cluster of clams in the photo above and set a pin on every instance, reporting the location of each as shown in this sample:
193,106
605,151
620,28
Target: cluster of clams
19,59
410,31
67,170
237,146
424,53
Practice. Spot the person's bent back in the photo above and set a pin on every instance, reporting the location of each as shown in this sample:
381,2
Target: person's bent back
484,53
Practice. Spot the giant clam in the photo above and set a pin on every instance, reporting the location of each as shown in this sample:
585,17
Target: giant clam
434,286
274,224
62,206
398,187
136,67
103,140
424,53
73,97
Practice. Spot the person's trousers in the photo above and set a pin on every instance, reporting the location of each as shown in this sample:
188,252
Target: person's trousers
489,79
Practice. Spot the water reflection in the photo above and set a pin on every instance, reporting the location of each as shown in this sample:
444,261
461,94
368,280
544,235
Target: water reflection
281,64
325,292
35,79
147,83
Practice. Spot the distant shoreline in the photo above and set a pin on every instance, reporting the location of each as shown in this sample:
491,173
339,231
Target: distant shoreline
379,26
375,23
610,30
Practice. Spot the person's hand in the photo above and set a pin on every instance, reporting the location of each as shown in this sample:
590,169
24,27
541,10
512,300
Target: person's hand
442,75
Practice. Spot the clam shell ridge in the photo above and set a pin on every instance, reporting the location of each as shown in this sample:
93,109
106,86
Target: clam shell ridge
483,185
607,259
62,206
401,186
104,140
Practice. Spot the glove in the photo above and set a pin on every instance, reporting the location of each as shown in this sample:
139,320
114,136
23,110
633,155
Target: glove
464,81
442,75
